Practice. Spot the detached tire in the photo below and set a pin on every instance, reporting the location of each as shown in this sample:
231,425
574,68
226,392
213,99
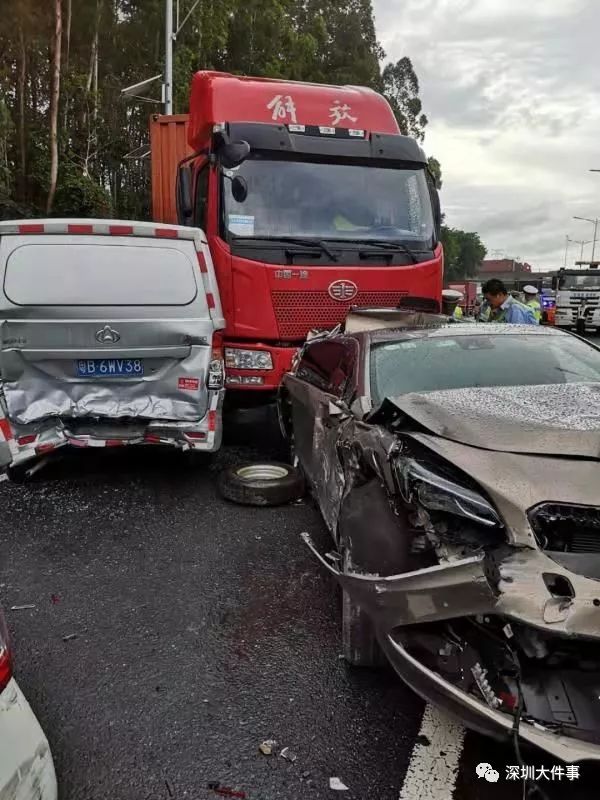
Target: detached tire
261,484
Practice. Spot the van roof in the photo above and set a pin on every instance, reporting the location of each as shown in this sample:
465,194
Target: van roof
102,227
218,97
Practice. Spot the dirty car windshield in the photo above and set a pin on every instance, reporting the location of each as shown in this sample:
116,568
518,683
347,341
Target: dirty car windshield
330,200
432,363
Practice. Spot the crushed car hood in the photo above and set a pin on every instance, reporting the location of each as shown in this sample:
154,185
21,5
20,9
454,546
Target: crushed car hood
554,420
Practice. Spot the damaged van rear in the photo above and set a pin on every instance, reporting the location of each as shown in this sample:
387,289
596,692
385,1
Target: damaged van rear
108,337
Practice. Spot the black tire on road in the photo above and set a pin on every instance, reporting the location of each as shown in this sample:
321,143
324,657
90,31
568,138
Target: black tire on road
359,642
261,484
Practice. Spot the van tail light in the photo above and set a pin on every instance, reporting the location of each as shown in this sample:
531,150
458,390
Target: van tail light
5,662
216,371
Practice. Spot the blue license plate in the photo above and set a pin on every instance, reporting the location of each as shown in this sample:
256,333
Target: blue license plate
109,368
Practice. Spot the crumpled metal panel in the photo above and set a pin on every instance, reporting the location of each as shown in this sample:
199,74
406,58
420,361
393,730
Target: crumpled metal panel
561,419
446,591
517,482
38,395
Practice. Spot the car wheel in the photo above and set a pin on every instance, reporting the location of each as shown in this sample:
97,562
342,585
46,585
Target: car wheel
261,484
359,642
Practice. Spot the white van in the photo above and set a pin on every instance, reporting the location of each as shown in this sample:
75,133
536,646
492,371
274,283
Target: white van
108,337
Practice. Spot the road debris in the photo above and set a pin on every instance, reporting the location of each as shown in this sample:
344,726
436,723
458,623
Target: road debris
288,754
225,791
267,747
335,783
22,608
70,636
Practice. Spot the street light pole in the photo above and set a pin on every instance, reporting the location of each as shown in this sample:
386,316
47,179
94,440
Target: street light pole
168,57
594,222
566,249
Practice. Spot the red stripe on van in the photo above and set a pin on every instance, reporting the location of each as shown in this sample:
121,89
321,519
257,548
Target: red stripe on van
31,228
80,228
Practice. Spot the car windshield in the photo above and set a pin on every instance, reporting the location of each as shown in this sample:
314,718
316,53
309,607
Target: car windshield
576,282
427,364
330,201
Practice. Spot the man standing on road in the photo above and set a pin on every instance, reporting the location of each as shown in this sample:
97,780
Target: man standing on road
499,306
531,300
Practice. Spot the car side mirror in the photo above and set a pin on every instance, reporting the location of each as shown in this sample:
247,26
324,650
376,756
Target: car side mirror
233,154
183,195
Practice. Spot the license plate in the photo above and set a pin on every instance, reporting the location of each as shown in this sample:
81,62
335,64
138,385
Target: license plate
109,368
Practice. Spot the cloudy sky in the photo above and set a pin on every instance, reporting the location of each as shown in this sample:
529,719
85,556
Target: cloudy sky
512,92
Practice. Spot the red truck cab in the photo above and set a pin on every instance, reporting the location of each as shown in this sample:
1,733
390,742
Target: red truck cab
312,202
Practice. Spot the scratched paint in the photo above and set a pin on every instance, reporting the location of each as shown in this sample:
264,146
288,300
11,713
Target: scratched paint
435,758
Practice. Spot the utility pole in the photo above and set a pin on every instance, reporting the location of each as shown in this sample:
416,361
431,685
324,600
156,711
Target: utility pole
594,222
566,249
168,84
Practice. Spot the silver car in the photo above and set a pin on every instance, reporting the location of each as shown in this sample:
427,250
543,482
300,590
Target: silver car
458,469
108,337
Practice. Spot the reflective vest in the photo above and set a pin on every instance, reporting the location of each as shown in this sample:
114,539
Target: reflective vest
535,306
457,313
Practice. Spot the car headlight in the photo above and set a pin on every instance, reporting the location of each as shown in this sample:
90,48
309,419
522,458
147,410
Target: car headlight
247,359
435,493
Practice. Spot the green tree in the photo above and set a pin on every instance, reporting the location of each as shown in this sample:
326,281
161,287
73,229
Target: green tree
401,87
463,253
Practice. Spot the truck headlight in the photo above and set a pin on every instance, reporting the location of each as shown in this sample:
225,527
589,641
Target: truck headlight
247,359
436,493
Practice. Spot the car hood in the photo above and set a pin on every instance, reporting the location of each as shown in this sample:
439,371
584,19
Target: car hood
554,420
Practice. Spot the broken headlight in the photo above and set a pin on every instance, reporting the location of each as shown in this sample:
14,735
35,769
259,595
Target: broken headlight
436,493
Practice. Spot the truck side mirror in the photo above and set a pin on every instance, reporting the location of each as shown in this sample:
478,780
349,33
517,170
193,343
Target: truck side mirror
183,193
233,154
554,283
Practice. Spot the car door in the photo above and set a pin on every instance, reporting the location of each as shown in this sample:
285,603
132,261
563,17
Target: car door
324,372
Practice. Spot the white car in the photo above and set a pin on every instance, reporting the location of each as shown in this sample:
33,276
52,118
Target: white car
26,767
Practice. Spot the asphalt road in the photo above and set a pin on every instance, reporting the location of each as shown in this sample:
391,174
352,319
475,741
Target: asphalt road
194,631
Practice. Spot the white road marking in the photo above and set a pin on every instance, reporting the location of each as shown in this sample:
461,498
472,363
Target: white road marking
433,767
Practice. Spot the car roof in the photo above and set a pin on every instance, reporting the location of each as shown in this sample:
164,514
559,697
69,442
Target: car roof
462,329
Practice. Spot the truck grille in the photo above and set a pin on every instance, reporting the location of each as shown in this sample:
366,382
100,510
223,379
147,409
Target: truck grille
298,312
565,528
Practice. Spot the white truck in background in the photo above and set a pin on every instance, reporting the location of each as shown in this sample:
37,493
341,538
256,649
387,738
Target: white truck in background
578,299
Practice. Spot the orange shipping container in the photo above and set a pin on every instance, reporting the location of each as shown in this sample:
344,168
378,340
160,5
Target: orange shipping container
169,146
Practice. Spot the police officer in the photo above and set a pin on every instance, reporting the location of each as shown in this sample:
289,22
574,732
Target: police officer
499,306
450,300
531,300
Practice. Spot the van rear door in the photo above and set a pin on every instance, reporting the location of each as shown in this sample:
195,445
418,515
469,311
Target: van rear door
105,326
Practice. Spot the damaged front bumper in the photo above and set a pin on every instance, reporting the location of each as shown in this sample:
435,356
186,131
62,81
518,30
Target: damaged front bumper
429,602
26,768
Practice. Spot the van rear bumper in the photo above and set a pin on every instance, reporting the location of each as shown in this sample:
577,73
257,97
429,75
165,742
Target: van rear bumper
31,441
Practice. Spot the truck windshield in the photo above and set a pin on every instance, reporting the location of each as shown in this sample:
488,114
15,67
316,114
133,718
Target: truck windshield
580,282
330,201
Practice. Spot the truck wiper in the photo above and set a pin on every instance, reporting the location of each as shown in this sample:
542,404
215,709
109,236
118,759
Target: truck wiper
389,247
301,242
